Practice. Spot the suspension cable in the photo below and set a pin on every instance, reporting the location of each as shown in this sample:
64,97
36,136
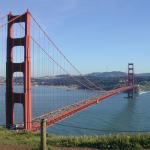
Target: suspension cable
75,79
1,26
58,64
56,47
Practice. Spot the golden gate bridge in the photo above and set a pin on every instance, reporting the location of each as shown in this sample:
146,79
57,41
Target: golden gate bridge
33,56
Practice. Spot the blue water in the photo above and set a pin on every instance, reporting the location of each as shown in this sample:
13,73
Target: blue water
110,116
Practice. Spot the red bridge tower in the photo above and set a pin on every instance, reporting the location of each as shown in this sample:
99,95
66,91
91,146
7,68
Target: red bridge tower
131,80
24,67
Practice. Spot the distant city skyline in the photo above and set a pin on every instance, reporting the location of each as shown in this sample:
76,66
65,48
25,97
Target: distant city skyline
97,36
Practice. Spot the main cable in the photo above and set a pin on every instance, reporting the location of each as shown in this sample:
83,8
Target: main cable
56,47
75,79
58,64
1,26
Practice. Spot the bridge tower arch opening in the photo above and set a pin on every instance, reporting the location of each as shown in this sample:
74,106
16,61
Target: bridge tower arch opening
13,97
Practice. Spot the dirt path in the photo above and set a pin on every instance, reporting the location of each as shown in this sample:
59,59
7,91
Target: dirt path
24,147
15,147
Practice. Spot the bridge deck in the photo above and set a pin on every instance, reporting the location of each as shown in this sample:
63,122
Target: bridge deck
60,114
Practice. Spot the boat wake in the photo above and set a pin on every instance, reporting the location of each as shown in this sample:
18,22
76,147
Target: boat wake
143,92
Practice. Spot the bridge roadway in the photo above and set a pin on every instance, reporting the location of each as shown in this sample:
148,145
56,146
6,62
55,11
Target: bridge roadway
62,113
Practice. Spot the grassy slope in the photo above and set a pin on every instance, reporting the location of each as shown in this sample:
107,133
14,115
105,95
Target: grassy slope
101,142
12,138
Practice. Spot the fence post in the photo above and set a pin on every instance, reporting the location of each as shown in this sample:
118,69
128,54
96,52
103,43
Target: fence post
43,135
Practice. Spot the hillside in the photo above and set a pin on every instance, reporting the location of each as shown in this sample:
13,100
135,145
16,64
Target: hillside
107,74
105,80
10,140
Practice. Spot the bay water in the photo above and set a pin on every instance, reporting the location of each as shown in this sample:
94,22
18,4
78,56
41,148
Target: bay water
113,115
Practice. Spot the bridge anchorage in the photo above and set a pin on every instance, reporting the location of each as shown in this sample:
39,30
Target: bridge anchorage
24,98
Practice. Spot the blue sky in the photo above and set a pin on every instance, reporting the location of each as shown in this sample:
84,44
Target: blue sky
96,35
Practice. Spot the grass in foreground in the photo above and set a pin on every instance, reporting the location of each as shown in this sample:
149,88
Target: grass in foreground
32,141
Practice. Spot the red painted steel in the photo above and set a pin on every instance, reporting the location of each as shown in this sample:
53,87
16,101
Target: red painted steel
131,80
25,68
11,96
72,109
